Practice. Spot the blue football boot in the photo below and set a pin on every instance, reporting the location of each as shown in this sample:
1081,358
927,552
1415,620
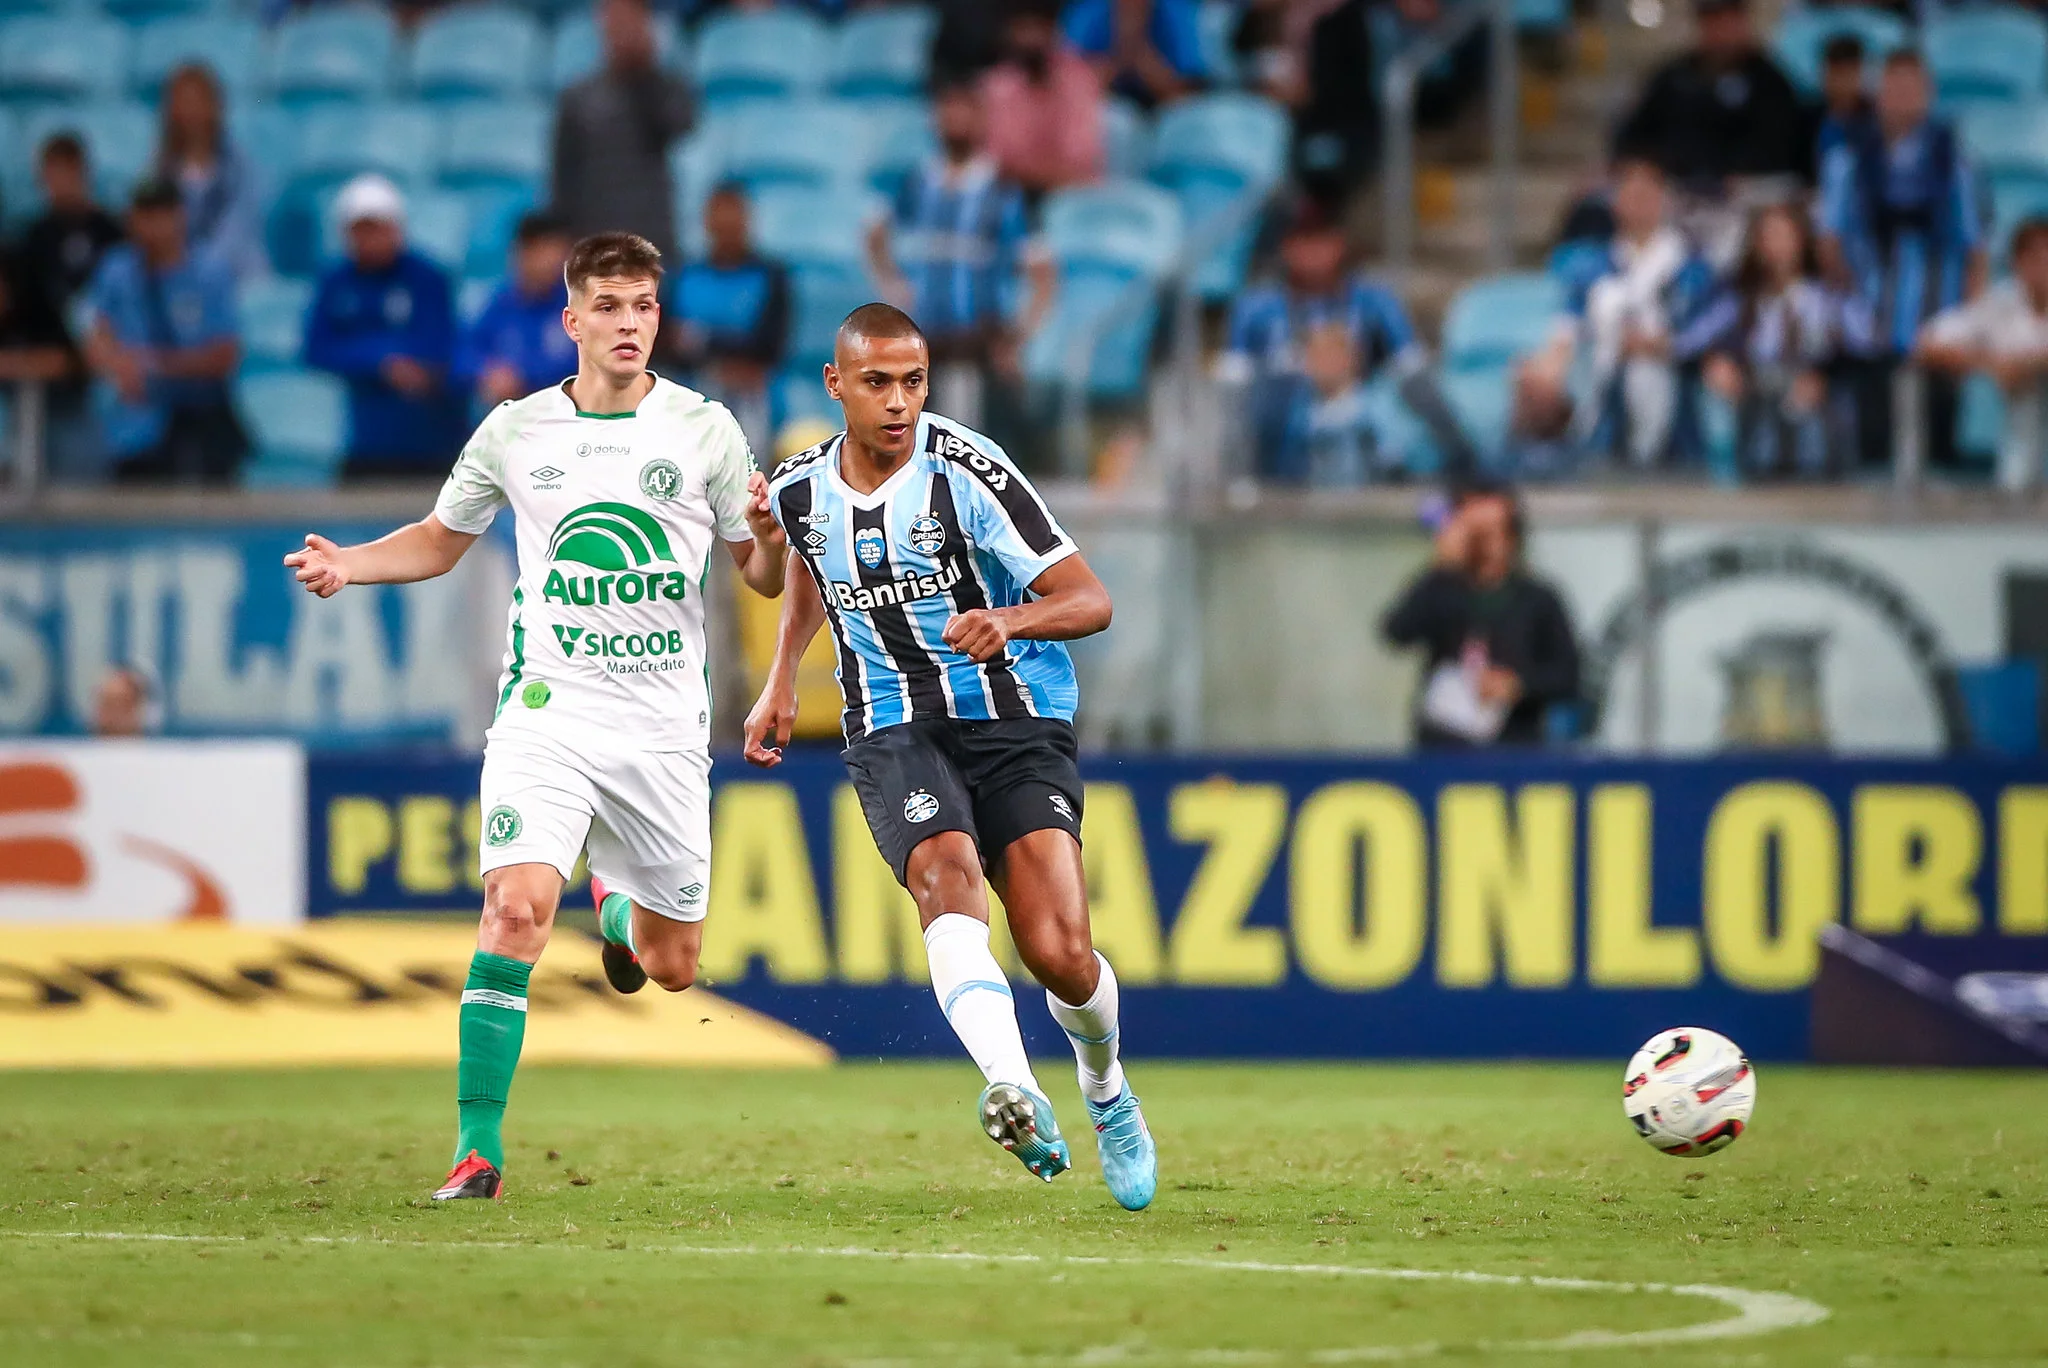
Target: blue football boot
1021,1122
1130,1161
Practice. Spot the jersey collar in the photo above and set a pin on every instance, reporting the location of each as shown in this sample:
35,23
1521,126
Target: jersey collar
884,491
608,417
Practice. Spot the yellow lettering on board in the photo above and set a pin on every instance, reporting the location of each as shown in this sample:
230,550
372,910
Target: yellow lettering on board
471,831
1121,909
426,844
2023,860
1916,847
358,835
1243,825
1624,949
874,917
1356,885
764,901
1747,825
1505,886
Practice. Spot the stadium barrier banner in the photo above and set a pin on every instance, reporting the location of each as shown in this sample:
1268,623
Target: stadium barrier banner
337,993
1565,906
128,832
233,645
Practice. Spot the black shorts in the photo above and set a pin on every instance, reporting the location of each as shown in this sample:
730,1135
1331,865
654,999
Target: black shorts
996,781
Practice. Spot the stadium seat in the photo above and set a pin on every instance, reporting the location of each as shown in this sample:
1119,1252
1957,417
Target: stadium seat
341,52
900,140
46,58
231,45
765,54
822,296
1491,322
2012,201
1802,33
9,8
1221,156
475,50
493,213
694,165
1216,23
576,49
268,135
499,143
1542,16
298,420
815,143
399,139
1480,399
2007,143
1988,54
119,137
142,11
271,315
472,297
883,52
805,226
1126,138
1112,243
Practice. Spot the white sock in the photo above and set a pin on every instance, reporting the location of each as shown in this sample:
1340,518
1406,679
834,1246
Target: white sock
975,997
1092,1028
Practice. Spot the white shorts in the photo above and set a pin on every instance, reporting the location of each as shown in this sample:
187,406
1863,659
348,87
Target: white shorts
646,817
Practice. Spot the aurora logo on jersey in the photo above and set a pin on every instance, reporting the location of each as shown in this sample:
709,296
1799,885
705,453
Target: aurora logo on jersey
906,589
610,536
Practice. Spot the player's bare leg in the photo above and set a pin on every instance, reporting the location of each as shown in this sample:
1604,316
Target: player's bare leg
1045,890
519,912
944,877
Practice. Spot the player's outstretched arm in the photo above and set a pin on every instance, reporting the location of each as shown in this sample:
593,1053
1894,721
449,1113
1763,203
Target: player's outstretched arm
1071,602
803,613
762,560
417,551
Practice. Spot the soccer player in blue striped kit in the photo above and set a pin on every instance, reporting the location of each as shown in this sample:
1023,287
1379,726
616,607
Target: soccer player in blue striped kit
950,589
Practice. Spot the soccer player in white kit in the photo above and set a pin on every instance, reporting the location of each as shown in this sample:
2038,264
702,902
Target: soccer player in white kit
621,482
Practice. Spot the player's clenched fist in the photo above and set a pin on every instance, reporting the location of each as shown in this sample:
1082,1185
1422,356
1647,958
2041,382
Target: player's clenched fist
760,520
979,635
319,567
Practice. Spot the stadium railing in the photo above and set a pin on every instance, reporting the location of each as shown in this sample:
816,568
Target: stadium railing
21,441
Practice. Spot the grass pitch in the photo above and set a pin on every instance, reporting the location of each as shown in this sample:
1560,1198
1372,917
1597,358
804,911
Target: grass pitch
713,1219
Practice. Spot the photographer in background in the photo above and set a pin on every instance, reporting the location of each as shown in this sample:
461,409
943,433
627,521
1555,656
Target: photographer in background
1498,643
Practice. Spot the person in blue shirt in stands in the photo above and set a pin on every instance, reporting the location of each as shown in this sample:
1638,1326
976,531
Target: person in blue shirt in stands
517,345
728,316
160,337
1148,50
1901,227
384,321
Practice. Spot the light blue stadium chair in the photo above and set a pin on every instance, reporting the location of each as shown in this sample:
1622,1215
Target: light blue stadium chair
1980,420
1216,23
1491,322
230,44
476,50
270,313
800,396
2012,202
1105,239
400,139
472,297
337,52
883,52
816,143
1126,139
822,296
695,164
900,140
1542,16
119,137
805,226
1403,436
268,135
496,143
766,54
436,226
17,169
47,58
142,11
1997,53
493,212
298,421
1221,155
1802,33
2002,699
1481,400
576,51
10,8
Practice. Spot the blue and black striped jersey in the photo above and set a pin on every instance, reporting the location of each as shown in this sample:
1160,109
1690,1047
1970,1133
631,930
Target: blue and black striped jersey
958,527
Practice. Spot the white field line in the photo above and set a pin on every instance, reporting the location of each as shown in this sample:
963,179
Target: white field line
1754,1313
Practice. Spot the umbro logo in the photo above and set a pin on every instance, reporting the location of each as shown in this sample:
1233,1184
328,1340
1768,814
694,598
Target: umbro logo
1062,806
815,540
547,473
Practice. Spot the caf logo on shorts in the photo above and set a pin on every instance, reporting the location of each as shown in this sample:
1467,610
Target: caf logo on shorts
502,827
536,695
918,807
926,534
1062,806
867,544
661,480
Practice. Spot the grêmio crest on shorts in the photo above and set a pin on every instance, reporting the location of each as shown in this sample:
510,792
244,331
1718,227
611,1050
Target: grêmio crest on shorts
957,528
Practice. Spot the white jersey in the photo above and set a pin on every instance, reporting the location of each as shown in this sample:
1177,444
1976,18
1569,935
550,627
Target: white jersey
617,516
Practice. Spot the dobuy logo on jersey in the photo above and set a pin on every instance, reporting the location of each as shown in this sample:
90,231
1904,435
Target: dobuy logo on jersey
904,589
868,545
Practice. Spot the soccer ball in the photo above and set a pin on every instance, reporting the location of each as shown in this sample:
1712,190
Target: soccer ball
1689,1091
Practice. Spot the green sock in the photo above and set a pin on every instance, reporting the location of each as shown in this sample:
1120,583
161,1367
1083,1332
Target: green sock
615,920
493,1028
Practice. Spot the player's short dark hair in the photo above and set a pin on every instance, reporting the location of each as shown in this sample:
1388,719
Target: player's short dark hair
2031,229
1842,49
65,146
878,322
538,224
155,193
625,255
